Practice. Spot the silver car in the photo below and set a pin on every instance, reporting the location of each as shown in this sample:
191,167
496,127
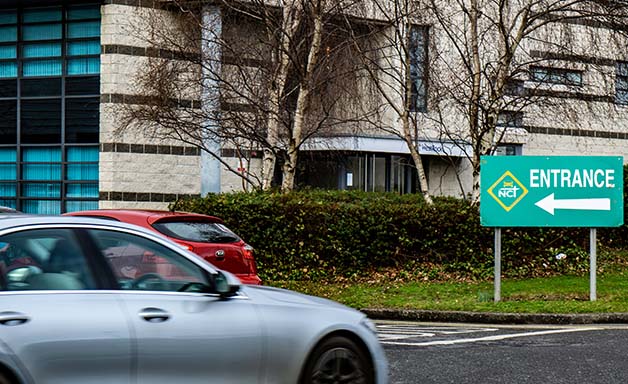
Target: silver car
95,301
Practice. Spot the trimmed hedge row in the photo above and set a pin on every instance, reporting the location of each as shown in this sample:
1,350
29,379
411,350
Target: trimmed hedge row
320,234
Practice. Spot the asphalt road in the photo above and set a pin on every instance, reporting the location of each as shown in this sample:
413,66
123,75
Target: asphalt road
421,353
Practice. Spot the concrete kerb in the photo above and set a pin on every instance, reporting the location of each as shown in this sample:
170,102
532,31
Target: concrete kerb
494,318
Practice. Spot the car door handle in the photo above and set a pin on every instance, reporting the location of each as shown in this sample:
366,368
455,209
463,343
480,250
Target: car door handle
13,318
154,315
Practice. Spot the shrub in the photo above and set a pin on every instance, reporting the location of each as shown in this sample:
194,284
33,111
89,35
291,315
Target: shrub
321,234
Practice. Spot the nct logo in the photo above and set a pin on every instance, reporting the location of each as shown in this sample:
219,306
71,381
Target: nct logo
507,191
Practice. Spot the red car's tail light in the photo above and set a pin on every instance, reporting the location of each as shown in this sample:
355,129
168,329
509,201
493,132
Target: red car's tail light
249,259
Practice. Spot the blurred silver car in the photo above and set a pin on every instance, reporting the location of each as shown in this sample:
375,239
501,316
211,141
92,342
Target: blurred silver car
95,301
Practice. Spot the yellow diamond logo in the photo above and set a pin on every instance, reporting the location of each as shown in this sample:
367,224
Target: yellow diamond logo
507,191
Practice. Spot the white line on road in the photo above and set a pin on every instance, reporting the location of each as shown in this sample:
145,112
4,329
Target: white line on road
392,336
396,332
489,338
440,330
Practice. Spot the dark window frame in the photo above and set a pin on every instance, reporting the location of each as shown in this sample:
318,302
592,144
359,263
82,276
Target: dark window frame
553,75
418,69
621,83
510,119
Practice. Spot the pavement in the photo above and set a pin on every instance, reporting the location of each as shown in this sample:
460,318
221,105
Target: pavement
495,318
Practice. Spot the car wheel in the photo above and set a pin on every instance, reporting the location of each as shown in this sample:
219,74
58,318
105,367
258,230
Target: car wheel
338,360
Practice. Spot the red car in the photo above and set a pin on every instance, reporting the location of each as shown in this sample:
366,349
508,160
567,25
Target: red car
204,235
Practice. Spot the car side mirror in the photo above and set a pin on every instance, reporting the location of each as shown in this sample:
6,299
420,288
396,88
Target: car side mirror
226,284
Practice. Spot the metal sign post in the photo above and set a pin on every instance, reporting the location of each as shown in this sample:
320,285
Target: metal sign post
593,267
498,265
551,191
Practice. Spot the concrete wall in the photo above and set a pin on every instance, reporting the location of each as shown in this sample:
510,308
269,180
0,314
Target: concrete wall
137,168
447,175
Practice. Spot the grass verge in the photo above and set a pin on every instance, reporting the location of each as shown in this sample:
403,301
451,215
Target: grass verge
557,294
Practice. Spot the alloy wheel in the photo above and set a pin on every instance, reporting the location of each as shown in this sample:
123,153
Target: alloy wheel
338,366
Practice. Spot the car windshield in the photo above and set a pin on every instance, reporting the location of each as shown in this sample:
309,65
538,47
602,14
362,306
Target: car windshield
197,231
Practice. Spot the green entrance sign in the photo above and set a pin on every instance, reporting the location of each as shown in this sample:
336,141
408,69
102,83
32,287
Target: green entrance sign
551,191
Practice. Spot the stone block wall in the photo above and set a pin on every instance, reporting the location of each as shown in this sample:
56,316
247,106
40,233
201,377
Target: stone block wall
136,169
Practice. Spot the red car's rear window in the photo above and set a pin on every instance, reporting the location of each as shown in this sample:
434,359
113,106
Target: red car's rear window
197,231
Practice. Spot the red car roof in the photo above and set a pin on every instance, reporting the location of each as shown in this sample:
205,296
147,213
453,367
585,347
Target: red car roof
148,215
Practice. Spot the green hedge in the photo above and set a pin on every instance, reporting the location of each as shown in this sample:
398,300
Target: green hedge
319,234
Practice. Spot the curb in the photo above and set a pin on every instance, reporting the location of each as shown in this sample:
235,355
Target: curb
494,318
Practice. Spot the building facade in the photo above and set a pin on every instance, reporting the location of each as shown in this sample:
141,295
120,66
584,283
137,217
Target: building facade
49,107
67,67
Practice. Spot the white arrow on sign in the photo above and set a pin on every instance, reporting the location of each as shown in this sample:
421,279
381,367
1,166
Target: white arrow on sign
549,204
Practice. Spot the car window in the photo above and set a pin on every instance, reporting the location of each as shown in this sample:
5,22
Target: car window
44,259
142,264
202,232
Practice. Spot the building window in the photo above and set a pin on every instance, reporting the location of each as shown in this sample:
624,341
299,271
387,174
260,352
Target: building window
509,150
49,108
418,68
621,83
514,87
510,119
370,172
556,75
366,172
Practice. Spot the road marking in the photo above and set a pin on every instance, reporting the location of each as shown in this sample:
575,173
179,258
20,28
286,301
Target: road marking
392,336
399,331
400,328
489,338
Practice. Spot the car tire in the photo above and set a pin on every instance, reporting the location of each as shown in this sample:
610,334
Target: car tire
338,360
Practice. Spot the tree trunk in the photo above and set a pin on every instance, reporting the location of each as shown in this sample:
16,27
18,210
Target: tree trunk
416,157
290,22
405,121
303,100
506,51
474,108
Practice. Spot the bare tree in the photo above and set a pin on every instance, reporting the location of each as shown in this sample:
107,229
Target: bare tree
387,54
480,58
488,50
267,69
